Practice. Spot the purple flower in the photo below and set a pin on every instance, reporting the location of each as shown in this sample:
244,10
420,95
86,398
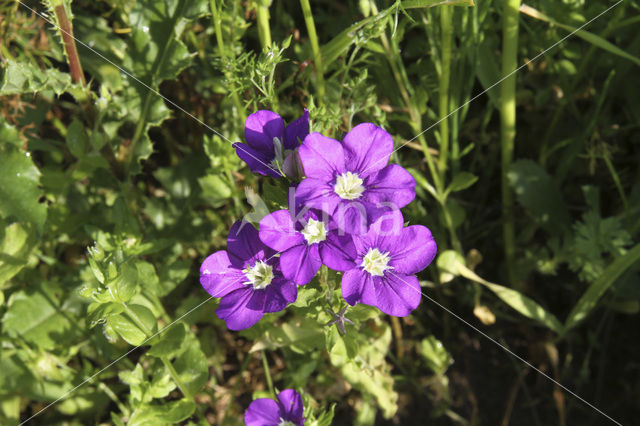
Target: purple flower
286,411
303,243
269,148
247,278
383,265
351,181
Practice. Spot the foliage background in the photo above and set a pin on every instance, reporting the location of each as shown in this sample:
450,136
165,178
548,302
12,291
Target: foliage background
110,197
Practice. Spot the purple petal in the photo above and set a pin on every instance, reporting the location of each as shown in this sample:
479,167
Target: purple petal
260,129
398,295
263,412
218,277
296,131
278,231
358,287
257,300
367,148
243,244
279,294
391,184
413,250
300,263
321,157
316,194
338,252
352,216
257,161
234,311
291,404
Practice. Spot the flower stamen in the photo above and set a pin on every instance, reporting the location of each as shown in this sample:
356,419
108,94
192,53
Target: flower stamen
314,231
375,262
259,275
349,186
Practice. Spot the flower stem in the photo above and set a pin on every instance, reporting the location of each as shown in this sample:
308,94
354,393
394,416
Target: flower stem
445,77
510,17
66,31
264,31
267,373
315,46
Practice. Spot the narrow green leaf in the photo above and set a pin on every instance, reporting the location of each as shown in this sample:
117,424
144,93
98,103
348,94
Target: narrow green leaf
453,263
595,291
418,4
585,35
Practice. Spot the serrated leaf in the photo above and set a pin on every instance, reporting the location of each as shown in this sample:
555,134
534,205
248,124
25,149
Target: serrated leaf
24,77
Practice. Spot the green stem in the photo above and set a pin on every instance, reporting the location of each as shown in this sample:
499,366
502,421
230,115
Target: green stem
267,373
445,78
315,46
264,31
217,23
510,17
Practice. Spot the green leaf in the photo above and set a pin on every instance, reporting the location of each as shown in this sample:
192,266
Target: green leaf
165,414
126,329
191,366
462,180
135,327
125,285
301,337
77,139
215,189
38,318
595,291
19,190
16,243
539,194
169,343
585,35
99,312
435,354
24,77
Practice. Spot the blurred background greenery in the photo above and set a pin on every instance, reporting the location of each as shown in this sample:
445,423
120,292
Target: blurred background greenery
111,196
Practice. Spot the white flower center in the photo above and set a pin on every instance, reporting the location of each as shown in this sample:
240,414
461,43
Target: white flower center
375,262
284,422
349,186
258,275
314,231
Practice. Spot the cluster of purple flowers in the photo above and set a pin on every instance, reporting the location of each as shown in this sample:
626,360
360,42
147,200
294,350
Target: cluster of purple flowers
344,213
